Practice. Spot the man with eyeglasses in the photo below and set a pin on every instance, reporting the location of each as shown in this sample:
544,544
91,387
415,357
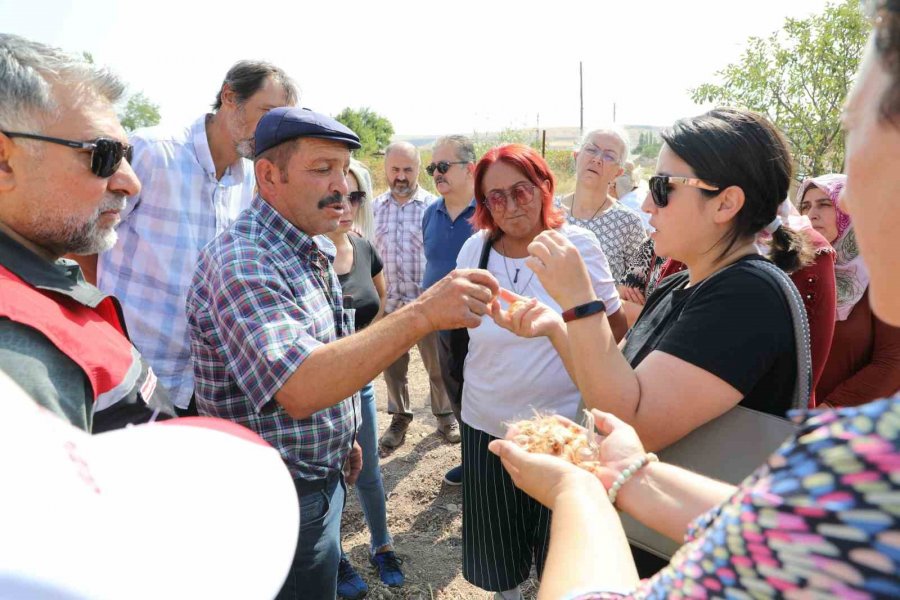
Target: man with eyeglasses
399,241
64,178
196,180
446,228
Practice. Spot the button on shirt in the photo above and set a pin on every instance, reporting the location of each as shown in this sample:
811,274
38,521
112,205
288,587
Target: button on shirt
263,298
398,239
443,239
181,208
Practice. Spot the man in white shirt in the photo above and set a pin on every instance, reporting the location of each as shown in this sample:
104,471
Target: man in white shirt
399,241
196,180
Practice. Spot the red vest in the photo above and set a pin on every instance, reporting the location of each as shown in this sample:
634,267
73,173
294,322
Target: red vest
93,338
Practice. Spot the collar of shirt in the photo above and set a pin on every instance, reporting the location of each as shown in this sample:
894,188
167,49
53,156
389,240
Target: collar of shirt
234,174
421,196
442,206
61,276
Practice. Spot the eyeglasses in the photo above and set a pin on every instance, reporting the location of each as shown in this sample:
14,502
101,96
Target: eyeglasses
607,156
356,198
659,187
443,166
106,154
523,193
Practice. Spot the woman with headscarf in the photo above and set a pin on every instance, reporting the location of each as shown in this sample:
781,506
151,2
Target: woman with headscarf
864,362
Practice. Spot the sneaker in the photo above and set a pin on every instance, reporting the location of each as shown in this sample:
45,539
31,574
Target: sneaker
349,583
388,565
450,431
396,432
454,476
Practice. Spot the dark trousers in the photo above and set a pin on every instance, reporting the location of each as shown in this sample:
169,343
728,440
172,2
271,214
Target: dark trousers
313,573
504,529
450,381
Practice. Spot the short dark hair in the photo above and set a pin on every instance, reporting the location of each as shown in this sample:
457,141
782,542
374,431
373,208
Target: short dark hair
246,77
734,147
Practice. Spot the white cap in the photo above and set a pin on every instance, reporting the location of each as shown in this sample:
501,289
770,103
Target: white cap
189,508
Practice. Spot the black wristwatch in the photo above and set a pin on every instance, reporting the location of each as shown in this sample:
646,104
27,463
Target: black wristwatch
584,310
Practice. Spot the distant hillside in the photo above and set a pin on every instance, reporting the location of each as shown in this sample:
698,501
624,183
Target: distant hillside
558,138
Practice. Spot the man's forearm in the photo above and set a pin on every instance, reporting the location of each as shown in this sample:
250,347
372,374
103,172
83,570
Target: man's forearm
338,369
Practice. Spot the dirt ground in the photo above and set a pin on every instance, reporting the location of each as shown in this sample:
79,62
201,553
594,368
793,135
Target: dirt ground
424,513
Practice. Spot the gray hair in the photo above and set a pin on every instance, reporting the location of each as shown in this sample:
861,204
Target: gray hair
28,73
465,148
404,147
628,180
246,77
613,130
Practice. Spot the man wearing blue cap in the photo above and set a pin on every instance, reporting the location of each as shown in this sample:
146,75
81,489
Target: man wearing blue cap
272,344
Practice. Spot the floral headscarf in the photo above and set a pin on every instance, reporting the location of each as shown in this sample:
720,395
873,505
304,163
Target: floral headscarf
850,272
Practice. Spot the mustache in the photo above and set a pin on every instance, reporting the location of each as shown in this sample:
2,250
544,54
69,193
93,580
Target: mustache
112,202
334,199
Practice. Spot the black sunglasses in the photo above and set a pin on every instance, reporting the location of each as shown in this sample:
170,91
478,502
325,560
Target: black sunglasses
356,198
106,154
443,166
659,187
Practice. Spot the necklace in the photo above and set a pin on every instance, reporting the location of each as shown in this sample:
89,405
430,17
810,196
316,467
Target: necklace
596,212
513,280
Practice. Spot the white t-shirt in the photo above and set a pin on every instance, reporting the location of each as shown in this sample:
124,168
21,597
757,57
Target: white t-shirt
507,377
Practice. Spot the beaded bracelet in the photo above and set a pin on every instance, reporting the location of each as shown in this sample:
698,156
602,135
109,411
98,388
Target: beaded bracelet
628,473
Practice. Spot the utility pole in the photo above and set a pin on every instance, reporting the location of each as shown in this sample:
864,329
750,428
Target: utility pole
580,101
614,112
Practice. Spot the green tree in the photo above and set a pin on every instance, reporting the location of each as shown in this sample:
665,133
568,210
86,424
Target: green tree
374,131
798,77
139,112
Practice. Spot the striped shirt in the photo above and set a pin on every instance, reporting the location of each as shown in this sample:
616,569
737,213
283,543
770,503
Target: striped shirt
399,241
181,208
263,298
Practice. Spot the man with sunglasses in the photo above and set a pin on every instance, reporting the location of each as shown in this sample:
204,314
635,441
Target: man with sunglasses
399,241
196,180
64,177
446,228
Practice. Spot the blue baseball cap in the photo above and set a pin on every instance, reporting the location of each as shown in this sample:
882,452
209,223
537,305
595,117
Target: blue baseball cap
287,123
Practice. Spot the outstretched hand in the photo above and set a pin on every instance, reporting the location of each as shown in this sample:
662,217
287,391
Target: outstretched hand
525,317
459,299
559,266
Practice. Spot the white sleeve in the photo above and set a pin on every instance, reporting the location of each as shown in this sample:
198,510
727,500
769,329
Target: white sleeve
597,266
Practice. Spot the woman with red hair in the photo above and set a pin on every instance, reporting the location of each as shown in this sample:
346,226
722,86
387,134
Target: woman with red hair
507,377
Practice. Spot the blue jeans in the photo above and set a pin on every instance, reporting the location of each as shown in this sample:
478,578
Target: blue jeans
313,573
370,485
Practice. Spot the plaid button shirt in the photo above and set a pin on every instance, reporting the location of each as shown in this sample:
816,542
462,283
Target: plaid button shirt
398,239
180,209
263,298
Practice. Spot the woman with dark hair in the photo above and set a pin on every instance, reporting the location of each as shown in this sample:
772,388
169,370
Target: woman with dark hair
819,519
864,361
508,377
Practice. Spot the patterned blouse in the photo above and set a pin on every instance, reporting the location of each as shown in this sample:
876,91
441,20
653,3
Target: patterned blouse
620,231
818,520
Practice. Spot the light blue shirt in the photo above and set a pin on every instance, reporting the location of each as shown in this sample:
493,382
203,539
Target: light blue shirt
181,208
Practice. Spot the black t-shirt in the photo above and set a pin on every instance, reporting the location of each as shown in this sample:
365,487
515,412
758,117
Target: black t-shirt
358,282
736,325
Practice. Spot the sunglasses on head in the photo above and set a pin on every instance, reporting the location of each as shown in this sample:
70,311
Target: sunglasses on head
443,166
106,153
522,193
659,187
356,198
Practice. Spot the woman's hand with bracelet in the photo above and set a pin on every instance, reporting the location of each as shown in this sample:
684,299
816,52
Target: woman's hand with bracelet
561,270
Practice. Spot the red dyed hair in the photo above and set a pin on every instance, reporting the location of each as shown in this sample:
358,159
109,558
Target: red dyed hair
533,166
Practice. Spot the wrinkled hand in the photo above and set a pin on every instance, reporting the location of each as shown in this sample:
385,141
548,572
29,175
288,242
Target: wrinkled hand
560,268
541,476
525,317
353,465
459,299
631,294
